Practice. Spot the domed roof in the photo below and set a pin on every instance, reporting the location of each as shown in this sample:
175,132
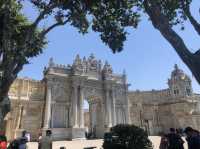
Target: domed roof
179,74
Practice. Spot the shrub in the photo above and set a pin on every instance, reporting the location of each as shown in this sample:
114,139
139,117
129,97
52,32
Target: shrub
124,136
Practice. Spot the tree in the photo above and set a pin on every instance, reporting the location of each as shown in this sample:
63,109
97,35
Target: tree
16,47
124,136
22,39
164,15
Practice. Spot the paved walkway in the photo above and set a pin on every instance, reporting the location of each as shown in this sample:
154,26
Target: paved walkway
80,144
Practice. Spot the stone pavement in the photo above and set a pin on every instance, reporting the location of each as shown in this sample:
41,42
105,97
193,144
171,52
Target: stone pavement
80,144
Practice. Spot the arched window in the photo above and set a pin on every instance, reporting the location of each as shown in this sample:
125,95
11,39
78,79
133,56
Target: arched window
188,91
176,91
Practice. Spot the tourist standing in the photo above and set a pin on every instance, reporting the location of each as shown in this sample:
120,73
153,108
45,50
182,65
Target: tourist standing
193,138
3,140
175,140
39,140
22,141
164,143
46,142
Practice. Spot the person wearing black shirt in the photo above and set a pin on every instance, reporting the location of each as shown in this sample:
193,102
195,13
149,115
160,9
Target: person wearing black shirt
175,140
193,138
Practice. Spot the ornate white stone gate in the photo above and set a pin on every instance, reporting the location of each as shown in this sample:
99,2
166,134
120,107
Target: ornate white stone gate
68,86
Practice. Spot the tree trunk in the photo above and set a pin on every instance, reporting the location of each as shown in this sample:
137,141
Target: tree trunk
4,109
161,23
6,81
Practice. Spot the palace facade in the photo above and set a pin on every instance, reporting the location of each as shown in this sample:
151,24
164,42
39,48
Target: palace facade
56,102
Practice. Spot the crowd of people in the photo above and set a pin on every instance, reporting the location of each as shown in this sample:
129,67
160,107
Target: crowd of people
44,142
174,139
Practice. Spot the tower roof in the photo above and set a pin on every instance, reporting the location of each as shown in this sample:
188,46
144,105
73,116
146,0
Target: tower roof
178,73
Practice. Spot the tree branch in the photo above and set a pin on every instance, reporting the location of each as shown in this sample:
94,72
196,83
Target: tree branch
161,23
47,30
192,20
50,6
43,13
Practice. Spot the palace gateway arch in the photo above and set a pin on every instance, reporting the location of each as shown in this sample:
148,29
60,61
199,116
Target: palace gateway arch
86,79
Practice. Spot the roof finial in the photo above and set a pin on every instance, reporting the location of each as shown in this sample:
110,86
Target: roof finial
124,72
176,67
51,62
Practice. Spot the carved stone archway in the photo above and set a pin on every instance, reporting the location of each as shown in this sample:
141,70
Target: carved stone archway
66,89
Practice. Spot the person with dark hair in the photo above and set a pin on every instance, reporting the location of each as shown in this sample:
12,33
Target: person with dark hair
46,141
23,140
193,138
175,140
164,143
14,144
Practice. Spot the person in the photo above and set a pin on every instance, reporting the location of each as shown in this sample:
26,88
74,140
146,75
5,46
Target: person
175,140
164,143
193,138
28,136
39,140
14,144
3,140
22,140
46,142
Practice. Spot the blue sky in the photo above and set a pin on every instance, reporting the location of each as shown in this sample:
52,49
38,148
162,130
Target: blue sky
147,57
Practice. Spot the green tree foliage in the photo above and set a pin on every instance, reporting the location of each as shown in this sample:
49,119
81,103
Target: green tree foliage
124,136
22,39
110,18
15,47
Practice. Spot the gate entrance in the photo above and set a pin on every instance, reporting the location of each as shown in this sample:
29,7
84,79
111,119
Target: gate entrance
86,79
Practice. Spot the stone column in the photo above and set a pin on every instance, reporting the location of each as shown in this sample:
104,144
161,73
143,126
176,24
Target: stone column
108,109
20,117
74,107
114,107
53,108
47,117
91,118
67,117
81,100
197,107
127,112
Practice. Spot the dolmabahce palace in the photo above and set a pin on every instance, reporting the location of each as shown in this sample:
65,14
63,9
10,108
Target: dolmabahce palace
56,102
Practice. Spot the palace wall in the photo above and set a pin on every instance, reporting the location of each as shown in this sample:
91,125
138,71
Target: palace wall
27,105
56,102
157,111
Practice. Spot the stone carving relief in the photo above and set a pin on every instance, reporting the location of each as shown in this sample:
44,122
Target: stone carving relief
107,69
92,63
77,65
92,94
60,91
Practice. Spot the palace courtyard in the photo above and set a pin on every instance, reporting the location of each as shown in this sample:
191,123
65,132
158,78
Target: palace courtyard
80,144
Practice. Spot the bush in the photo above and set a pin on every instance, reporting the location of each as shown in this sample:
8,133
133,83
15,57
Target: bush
124,136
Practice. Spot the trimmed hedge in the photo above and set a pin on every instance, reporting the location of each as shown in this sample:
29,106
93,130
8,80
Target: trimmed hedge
124,136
